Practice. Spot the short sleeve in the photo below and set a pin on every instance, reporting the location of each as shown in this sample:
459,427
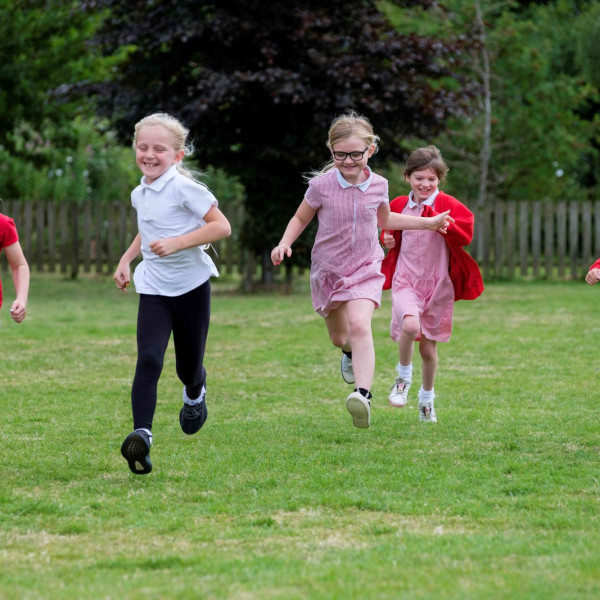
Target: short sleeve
8,232
195,197
385,198
313,197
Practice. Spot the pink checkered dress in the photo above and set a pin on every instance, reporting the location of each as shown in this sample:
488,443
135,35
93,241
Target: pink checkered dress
346,256
422,286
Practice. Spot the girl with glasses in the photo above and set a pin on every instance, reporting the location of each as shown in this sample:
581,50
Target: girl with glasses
350,202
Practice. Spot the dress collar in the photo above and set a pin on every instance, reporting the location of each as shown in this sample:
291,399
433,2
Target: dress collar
428,202
158,184
363,187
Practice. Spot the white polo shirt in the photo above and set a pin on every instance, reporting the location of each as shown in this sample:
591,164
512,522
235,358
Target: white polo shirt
171,205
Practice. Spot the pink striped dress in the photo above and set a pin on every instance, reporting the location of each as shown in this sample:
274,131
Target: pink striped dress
346,256
422,286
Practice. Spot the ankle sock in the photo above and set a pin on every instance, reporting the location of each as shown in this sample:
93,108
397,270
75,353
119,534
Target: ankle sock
405,371
426,395
366,393
199,397
147,432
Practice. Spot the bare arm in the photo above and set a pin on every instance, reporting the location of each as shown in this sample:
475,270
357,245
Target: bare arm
304,215
20,274
122,275
391,220
593,276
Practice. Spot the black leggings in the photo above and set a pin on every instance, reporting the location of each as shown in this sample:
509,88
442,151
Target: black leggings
187,316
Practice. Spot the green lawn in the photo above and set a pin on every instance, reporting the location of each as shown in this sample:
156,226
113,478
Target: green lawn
278,496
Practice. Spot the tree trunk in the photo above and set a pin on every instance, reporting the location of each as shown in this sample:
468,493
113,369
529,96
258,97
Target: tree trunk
486,150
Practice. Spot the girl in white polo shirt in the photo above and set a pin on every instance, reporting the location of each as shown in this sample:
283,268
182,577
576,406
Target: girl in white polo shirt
177,217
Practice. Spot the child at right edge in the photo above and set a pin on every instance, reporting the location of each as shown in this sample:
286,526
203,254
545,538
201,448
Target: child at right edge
427,272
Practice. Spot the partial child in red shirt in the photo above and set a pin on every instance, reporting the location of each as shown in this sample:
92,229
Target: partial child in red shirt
427,273
593,275
9,242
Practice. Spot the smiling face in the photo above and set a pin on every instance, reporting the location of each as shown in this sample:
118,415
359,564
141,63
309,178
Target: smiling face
423,183
154,151
352,170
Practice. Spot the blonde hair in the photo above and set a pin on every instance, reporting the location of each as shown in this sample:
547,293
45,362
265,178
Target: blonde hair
178,133
428,157
342,128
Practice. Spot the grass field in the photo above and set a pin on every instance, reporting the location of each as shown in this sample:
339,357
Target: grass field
278,496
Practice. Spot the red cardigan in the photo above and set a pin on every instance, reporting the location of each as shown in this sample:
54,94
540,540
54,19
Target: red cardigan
464,272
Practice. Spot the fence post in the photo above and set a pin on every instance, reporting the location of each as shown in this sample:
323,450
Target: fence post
573,236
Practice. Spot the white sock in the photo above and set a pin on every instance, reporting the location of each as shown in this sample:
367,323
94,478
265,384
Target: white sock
405,371
195,401
147,431
426,395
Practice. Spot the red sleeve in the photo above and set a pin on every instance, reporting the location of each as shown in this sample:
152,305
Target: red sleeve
460,233
596,265
388,266
8,232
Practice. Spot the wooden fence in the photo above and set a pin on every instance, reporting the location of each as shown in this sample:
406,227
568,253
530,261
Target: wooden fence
540,240
91,238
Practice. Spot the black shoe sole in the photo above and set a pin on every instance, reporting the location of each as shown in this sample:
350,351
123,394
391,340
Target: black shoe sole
191,426
136,452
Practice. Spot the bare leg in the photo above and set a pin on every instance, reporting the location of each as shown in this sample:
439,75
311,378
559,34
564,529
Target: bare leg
428,350
406,345
349,328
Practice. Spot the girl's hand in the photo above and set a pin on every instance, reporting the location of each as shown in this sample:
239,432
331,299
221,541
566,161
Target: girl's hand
279,252
165,246
122,276
18,311
440,222
389,241
593,276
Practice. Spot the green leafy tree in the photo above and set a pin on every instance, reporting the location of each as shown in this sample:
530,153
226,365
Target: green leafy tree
259,83
52,148
541,127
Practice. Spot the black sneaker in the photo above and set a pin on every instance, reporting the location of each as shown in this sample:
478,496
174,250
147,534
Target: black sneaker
136,451
191,418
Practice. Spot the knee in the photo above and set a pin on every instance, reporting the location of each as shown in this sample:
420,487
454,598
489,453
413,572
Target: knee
338,340
428,353
359,327
411,327
149,362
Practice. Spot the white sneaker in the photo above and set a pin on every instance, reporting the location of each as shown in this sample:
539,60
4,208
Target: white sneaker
399,392
360,409
347,370
427,412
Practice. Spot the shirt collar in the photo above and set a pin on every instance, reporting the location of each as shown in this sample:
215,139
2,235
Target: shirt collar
363,187
428,202
158,184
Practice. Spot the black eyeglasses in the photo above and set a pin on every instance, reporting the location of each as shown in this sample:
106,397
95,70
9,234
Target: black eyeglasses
355,155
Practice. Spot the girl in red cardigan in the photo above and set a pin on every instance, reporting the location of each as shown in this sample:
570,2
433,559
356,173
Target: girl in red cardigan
427,273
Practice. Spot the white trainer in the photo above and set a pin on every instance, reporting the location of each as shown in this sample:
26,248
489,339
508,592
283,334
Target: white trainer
347,370
427,412
399,392
360,409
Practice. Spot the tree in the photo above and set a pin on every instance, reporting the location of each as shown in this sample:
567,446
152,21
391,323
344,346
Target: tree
259,83
51,149
542,103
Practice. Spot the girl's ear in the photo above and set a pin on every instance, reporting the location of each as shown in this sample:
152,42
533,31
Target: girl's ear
371,150
179,156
